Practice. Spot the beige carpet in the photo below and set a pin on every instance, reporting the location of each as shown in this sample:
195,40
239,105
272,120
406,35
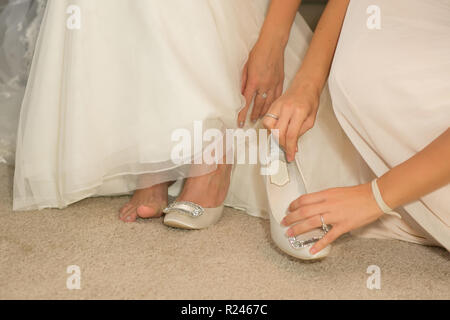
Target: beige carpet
232,260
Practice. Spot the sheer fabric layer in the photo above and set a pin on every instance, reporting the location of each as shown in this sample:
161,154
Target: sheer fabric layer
102,101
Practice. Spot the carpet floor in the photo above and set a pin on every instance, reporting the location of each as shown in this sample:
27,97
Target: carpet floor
234,259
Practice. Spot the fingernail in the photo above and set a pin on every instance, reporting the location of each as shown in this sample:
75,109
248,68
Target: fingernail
283,222
290,233
313,250
241,124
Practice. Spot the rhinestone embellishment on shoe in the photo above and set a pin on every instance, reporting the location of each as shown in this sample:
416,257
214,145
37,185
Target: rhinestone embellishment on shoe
186,207
299,244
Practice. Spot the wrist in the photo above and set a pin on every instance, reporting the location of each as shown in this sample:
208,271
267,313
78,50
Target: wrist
275,39
389,196
313,80
371,196
380,200
378,197
305,84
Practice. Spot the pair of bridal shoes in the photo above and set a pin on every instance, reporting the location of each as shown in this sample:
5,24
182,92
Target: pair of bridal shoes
284,186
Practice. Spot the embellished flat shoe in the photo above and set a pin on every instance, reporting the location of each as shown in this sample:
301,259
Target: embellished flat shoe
282,188
189,215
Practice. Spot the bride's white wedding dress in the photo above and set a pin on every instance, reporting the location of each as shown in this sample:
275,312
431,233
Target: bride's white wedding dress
112,79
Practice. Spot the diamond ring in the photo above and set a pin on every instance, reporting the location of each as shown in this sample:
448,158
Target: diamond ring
263,95
324,226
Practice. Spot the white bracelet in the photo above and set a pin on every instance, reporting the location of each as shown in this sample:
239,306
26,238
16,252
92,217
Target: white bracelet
379,199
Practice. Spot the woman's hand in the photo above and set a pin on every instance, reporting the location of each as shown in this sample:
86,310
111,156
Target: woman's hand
262,78
296,111
346,209
297,108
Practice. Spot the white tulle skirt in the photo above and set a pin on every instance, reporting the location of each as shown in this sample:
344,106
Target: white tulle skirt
103,99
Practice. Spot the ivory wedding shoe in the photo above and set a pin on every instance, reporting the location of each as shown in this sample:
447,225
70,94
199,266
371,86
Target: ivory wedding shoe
189,215
283,187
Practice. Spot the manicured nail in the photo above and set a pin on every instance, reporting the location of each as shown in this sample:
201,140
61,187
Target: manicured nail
241,124
313,250
283,222
290,233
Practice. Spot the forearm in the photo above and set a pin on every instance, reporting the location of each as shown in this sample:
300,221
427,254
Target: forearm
425,172
319,57
278,23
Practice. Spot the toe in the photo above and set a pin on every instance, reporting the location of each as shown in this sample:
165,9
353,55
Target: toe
148,211
129,215
124,209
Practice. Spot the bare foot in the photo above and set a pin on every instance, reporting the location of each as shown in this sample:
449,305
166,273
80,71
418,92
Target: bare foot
209,190
145,203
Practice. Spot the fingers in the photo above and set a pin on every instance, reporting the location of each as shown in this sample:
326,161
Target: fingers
243,113
249,94
305,212
242,116
330,237
290,121
270,99
309,224
282,125
244,78
307,199
258,106
307,124
274,94
250,88
292,136
269,122
278,91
